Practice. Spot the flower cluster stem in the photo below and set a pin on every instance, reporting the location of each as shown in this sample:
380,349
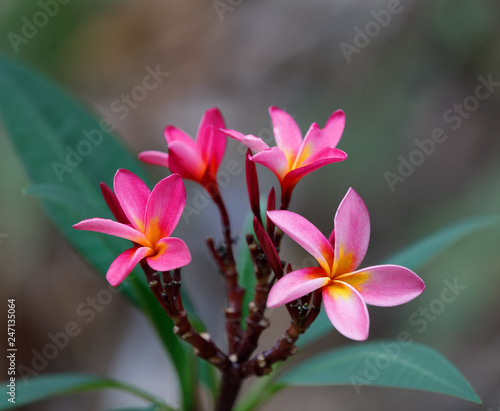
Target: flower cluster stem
227,265
228,391
167,292
283,348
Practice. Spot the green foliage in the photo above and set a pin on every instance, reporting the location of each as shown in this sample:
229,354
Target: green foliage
384,364
48,130
246,273
51,385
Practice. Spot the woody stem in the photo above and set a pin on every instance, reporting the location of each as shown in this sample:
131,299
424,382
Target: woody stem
169,297
227,265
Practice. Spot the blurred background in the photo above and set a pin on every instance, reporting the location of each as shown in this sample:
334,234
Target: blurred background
400,71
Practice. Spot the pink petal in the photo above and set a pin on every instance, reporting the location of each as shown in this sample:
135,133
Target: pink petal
346,310
306,235
317,139
275,160
210,140
332,132
311,144
125,263
113,204
170,253
296,284
176,134
255,144
185,161
156,158
322,157
133,194
318,160
385,285
286,133
331,239
164,208
352,233
105,226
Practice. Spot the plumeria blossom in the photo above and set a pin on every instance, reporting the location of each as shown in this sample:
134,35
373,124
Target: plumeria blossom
147,218
346,289
294,157
195,160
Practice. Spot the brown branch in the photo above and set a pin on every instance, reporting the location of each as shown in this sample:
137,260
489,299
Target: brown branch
256,320
234,294
224,216
283,348
227,265
204,347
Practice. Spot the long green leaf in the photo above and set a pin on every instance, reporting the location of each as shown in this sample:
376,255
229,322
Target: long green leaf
50,132
52,385
423,251
384,364
244,265
413,257
259,393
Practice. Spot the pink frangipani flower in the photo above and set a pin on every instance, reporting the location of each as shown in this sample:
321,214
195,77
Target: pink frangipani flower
294,157
147,218
346,290
194,160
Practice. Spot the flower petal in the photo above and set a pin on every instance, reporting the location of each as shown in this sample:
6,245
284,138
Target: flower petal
317,160
323,157
172,134
275,160
133,194
125,263
210,140
306,235
311,144
113,204
286,133
170,253
346,310
332,132
331,239
296,284
164,208
105,226
254,143
185,161
317,139
156,158
385,285
352,233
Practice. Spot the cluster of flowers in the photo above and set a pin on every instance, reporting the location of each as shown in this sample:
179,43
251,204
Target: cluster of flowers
148,218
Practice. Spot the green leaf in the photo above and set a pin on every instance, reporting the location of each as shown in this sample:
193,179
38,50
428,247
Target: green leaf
259,393
412,257
384,364
51,385
67,153
244,265
423,251
208,376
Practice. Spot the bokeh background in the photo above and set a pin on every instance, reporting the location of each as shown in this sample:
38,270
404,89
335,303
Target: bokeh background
244,56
